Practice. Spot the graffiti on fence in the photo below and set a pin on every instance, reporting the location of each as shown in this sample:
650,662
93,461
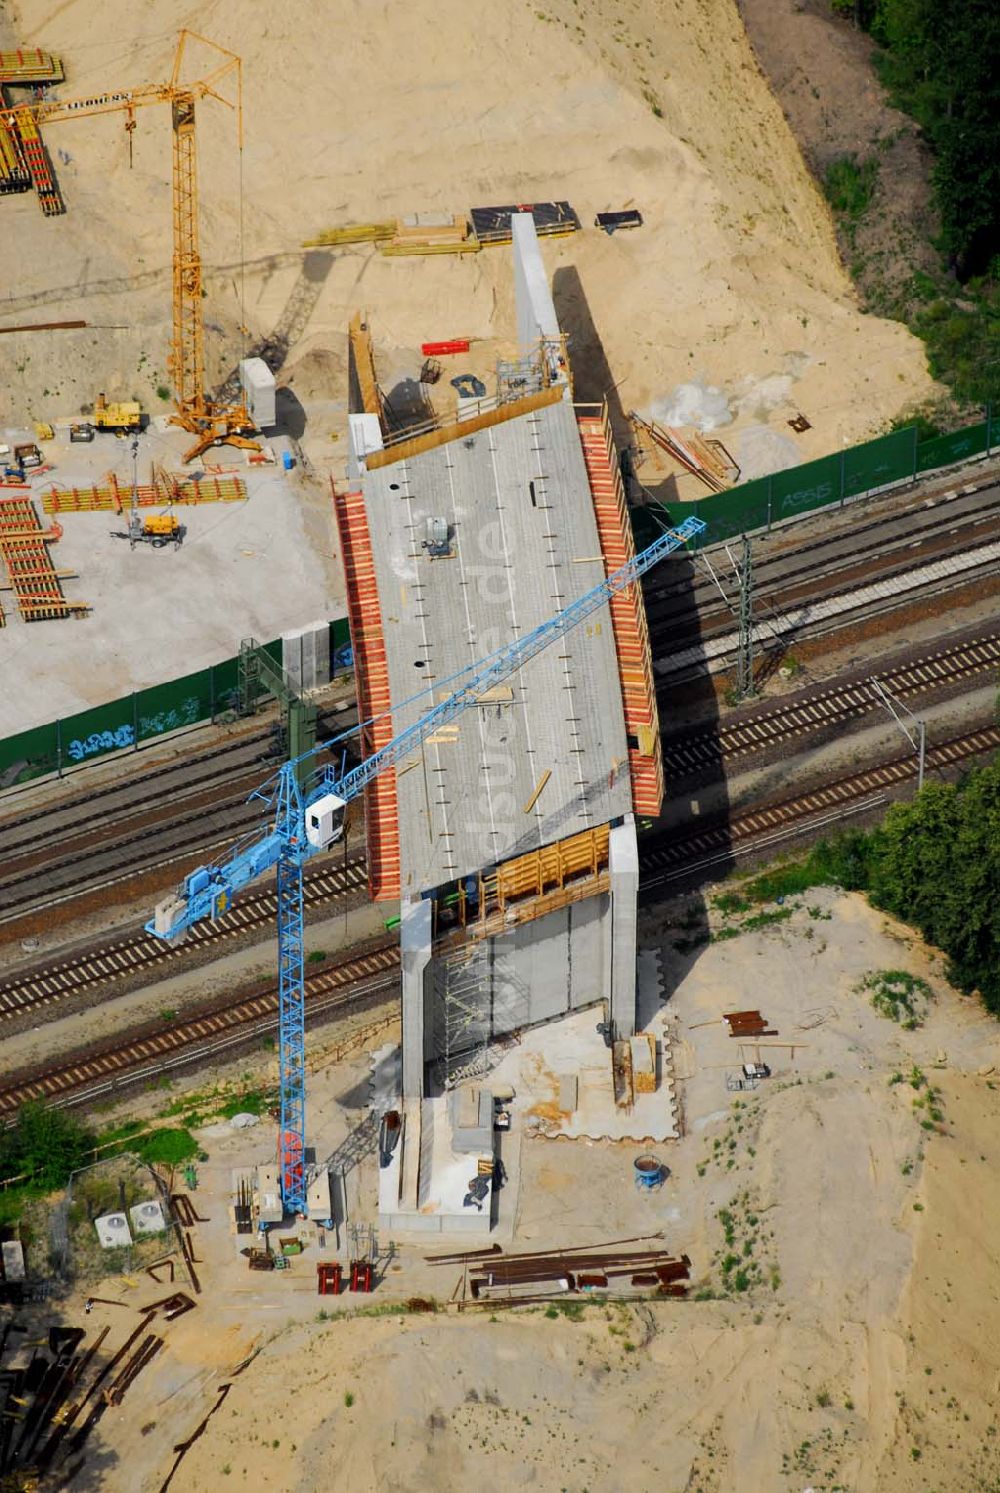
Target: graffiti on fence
100,741
189,712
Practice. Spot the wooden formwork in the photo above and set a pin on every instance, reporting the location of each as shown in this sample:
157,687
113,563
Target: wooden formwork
628,614
371,675
117,496
33,579
26,65
551,867
37,161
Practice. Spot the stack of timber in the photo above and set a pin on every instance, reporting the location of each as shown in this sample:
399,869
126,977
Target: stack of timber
491,225
432,233
447,233
24,67
117,496
415,233
352,233
53,1392
30,572
706,459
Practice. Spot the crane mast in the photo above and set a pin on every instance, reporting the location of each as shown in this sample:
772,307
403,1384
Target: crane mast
307,820
187,353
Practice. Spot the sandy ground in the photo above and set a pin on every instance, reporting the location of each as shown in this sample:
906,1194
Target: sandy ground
731,298
734,279
862,1353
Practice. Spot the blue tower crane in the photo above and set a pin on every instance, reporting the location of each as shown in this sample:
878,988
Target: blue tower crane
307,817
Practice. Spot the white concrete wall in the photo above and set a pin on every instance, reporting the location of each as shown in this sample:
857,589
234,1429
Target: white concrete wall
536,312
623,858
305,656
415,952
553,965
364,434
537,972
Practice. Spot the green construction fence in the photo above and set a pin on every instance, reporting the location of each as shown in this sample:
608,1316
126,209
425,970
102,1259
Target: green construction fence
137,719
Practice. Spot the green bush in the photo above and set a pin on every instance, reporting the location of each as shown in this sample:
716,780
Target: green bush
934,862
963,340
45,1144
900,996
849,185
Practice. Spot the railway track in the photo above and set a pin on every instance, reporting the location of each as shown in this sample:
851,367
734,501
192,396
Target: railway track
80,866
371,974
42,868
184,810
366,977
689,855
23,831
139,954
816,711
881,546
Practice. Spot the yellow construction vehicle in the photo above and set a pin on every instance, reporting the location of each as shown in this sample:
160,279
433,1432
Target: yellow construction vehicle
125,415
158,529
44,431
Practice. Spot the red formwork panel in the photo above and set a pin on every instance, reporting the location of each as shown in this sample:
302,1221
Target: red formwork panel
371,676
628,615
445,349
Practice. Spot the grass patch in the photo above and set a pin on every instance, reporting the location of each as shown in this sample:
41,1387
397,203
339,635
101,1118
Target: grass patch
849,185
168,1147
898,995
249,1102
730,902
766,919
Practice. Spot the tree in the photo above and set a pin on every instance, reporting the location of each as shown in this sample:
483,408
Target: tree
44,1144
939,64
936,864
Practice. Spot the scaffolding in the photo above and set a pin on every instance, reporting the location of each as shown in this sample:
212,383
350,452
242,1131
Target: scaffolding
462,1024
628,612
258,673
371,673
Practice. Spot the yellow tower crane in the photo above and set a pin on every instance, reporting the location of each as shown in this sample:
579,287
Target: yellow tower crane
210,422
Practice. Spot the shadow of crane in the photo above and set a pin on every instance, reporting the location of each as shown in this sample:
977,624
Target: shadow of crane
291,324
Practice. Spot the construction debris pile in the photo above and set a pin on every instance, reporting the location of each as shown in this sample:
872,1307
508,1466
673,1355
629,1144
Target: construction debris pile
53,1391
490,1276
